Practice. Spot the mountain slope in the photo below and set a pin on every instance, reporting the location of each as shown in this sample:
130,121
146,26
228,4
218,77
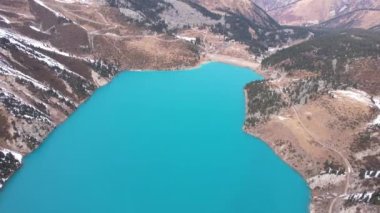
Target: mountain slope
332,55
320,111
332,13
246,8
360,18
55,53
52,59
164,15
242,21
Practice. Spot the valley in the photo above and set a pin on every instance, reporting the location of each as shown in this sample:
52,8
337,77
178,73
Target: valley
318,107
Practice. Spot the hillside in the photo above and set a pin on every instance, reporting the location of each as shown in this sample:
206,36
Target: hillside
323,100
54,54
52,59
329,13
318,108
335,55
243,22
246,8
360,18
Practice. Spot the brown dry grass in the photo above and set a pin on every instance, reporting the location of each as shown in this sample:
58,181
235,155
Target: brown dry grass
146,52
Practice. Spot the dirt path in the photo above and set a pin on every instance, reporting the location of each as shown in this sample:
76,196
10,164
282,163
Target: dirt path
346,162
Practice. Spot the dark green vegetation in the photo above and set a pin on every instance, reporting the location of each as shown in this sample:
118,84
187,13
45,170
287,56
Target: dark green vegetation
19,110
367,140
309,88
258,33
365,197
318,55
152,12
331,167
105,68
203,10
339,59
42,72
8,165
150,8
262,102
239,28
327,59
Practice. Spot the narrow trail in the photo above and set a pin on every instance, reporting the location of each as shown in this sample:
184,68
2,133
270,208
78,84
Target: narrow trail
346,162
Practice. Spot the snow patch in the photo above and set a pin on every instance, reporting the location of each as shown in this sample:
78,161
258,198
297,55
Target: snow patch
362,97
325,180
376,101
273,50
189,39
51,10
5,20
17,155
33,43
24,44
37,29
354,94
343,9
371,174
360,197
34,28
7,69
4,94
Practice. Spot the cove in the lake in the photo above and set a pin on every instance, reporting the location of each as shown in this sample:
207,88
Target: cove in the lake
158,142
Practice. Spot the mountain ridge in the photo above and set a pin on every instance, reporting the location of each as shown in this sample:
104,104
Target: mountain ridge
339,13
55,53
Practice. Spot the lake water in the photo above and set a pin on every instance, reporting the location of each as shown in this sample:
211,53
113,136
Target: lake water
158,142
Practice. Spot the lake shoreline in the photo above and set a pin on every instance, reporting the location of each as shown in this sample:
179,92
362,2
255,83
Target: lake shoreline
270,145
210,58
202,89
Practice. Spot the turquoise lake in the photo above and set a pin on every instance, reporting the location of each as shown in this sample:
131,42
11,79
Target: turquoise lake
158,142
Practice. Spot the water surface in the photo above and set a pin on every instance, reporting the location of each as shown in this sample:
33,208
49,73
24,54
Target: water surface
158,142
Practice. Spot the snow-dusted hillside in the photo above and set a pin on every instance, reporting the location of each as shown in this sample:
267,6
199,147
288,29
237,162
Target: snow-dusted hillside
55,53
40,84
